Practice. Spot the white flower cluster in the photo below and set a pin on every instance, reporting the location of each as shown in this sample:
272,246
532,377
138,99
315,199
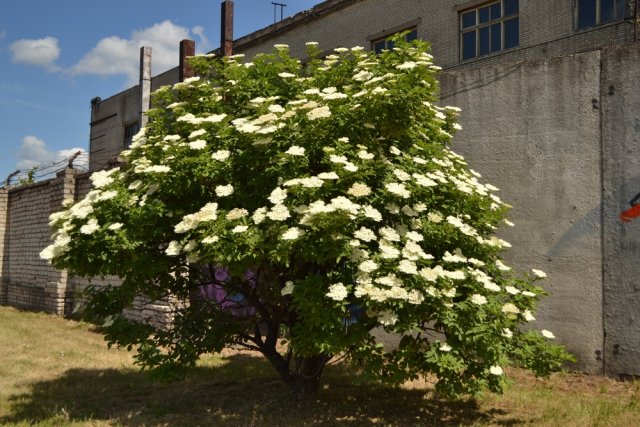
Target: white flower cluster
295,150
262,125
398,189
292,233
208,212
191,119
338,292
101,179
359,190
236,213
224,190
221,155
90,227
288,288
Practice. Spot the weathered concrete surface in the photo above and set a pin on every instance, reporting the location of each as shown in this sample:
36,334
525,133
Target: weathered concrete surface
621,181
108,121
145,84
532,130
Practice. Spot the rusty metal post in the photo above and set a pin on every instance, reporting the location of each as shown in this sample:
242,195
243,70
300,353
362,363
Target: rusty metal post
73,158
187,49
226,36
11,175
145,84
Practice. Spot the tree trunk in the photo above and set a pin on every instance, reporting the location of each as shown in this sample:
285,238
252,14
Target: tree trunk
301,374
305,375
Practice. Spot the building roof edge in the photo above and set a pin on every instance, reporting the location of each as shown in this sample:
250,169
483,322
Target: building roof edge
316,12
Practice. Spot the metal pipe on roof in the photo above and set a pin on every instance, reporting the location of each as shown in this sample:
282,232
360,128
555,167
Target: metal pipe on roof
226,33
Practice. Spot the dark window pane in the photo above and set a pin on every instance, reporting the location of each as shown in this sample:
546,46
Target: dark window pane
620,9
484,40
483,14
496,37
607,12
129,132
378,46
390,44
469,45
511,7
412,35
511,33
586,13
469,19
496,11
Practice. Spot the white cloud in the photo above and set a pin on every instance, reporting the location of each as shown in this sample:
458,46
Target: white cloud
204,44
41,52
114,55
34,152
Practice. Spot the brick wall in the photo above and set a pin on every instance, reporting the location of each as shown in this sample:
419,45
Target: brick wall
4,197
157,313
29,282
547,29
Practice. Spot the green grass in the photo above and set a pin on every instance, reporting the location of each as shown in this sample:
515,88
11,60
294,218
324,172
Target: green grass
56,372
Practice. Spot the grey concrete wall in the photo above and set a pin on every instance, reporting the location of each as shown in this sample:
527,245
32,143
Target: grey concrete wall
110,116
167,78
621,181
108,119
531,130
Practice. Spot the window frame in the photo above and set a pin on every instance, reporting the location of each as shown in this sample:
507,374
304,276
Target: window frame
383,36
477,32
388,43
132,127
617,15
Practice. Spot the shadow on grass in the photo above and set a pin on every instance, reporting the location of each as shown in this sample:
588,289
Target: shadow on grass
242,391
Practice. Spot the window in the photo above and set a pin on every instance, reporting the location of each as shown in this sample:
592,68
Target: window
590,13
129,131
489,28
385,44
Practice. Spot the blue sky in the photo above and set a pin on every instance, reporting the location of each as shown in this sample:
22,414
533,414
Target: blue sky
57,55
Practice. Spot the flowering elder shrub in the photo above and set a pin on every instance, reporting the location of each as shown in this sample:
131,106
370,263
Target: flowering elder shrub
326,198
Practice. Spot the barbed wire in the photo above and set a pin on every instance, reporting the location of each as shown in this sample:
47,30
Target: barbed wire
41,172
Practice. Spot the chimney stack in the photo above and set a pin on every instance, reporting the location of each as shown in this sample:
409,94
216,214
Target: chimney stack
226,36
145,84
187,49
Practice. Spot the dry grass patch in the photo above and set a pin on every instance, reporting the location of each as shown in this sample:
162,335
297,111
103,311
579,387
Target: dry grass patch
58,372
